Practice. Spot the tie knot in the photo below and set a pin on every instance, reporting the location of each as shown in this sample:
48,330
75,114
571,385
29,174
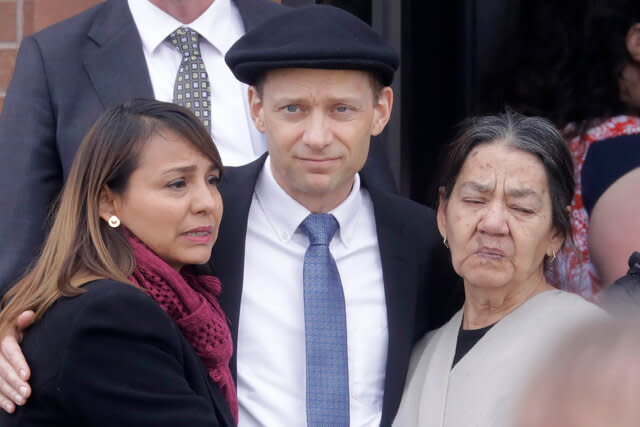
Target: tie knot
320,228
186,41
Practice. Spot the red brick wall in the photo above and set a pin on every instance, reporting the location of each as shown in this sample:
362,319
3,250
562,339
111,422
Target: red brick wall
19,18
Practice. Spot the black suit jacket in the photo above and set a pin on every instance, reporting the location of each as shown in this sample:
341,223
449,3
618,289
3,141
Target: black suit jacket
65,77
421,290
113,357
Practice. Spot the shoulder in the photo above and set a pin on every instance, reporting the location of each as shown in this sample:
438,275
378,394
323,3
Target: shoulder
111,315
120,301
102,291
432,337
108,304
426,342
568,308
65,32
107,289
107,309
424,349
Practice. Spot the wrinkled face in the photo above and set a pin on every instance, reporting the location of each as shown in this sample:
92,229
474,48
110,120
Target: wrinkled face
498,218
172,202
318,125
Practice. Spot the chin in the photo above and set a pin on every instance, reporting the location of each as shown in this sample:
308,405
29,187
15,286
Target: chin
487,279
316,183
198,258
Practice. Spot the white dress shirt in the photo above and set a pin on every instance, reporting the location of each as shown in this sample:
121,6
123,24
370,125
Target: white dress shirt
271,339
232,129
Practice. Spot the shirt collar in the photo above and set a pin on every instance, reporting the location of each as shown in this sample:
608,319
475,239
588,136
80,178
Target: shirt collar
285,214
154,25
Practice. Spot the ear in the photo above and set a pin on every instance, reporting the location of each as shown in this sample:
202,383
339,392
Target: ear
555,244
633,41
382,110
256,108
108,204
441,214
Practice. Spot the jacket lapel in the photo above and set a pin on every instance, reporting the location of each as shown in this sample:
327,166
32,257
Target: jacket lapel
227,260
114,59
399,293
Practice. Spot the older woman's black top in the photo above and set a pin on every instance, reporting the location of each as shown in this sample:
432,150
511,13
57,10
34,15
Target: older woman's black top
113,357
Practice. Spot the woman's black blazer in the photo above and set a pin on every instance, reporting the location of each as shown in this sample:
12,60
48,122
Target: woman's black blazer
113,357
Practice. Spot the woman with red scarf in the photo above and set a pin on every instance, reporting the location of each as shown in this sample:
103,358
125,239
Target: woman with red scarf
127,331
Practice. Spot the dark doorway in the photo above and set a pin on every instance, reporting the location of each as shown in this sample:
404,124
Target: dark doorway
436,78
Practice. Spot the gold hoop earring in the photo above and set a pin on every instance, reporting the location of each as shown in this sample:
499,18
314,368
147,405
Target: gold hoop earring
444,241
553,256
114,221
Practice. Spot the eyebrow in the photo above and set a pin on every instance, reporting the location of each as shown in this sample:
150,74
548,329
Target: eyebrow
345,100
188,169
518,193
521,193
286,100
476,186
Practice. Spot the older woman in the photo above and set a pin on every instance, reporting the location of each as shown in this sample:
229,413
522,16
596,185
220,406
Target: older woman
127,333
503,213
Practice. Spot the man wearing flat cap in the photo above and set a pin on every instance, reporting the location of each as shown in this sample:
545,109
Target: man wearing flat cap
336,279
328,281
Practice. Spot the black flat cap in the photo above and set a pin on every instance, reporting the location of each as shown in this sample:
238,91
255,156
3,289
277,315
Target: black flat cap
312,37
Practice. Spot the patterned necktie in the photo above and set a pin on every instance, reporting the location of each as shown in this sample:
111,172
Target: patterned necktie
325,327
191,89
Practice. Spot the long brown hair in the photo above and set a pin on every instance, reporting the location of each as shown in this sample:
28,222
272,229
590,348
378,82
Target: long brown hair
80,246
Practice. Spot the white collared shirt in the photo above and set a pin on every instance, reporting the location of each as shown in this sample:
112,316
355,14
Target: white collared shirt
237,139
271,340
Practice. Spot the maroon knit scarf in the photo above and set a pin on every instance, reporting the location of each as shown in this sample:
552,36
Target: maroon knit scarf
192,303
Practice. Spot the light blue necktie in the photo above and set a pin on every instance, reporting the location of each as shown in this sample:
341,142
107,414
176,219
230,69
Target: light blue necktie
325,327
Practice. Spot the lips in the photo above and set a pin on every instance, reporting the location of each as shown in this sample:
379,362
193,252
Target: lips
199,234
318,162
488,252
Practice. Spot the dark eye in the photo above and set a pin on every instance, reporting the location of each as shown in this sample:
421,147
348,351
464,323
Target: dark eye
178,183
214,180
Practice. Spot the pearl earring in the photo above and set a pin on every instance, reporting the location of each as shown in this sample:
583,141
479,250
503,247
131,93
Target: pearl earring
114,221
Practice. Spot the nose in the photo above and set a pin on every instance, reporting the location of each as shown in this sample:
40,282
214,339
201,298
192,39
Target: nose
317,133
206,199
493,220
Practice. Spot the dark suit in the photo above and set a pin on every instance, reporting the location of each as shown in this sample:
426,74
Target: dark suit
113,357
421,290
65,76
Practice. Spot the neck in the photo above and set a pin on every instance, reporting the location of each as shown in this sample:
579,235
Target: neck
486,306
185,11
321,201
